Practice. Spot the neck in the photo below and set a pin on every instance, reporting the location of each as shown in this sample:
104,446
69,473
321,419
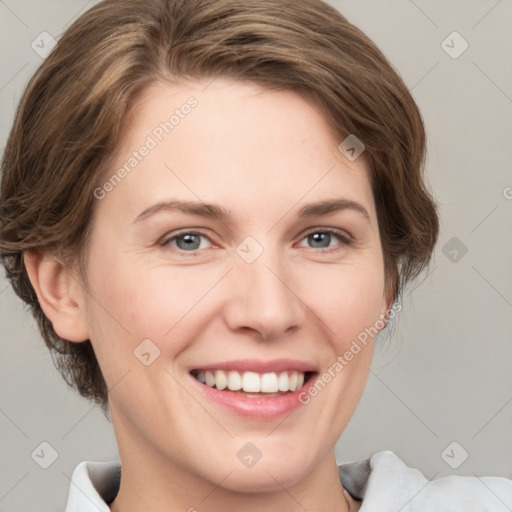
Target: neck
151,481
174,496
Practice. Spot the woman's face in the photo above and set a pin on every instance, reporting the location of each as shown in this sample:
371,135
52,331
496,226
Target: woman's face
254,284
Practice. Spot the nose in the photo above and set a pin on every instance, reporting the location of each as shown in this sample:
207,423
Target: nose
263,299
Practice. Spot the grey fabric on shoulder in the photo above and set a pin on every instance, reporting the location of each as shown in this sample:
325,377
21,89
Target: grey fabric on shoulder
354,477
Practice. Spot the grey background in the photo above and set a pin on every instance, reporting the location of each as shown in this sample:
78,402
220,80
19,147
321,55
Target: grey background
446,374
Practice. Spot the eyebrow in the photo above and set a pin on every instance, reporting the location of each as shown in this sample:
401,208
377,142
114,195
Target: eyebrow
331,206
220,213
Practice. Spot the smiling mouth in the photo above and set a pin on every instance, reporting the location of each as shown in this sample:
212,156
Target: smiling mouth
252,383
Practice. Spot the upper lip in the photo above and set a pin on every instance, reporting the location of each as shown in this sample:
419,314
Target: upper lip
259,366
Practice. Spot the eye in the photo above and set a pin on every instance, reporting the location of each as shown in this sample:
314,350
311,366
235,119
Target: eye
188,241
322,239
326,240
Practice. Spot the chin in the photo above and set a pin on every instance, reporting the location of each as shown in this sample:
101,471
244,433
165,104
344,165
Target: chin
262,480
273,471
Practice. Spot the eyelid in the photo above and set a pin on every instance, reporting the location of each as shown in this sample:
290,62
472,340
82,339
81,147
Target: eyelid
186,231
345,235
345,238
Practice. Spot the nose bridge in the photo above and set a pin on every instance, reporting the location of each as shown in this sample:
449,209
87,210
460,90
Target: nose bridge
263,297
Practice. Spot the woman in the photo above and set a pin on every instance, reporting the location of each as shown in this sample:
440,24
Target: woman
207,204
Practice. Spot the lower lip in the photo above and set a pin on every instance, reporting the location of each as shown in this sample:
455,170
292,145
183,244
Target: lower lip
256,407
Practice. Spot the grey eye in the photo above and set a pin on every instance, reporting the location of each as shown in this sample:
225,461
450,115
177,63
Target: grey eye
186,242
320,240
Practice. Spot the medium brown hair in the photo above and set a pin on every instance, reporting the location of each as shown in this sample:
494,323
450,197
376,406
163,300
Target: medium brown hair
71,120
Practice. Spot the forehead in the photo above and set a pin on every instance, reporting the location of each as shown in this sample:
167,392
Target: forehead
231,142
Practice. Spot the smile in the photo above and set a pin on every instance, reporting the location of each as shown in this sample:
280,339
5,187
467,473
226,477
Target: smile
277,383
253,388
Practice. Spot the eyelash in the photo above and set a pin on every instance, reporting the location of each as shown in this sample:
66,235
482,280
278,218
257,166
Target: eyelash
344,238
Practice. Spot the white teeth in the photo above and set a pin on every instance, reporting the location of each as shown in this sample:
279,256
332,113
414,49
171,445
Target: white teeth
269,383
221,380
234,381
283,381
252,382
209,379
292,381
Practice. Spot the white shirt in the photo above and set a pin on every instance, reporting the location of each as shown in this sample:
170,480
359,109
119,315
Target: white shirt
383,482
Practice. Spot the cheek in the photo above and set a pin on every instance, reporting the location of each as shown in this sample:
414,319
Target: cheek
131,303
348,300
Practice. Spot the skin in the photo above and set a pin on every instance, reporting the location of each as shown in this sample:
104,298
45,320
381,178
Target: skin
262,155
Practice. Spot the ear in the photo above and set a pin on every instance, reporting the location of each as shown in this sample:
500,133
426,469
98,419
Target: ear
60,294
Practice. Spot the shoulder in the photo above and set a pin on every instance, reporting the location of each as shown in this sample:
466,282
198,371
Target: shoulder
93,486
384,482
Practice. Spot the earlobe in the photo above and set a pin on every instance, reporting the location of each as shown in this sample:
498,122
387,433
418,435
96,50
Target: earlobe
59,293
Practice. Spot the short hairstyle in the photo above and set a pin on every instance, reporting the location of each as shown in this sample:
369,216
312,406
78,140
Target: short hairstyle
72,116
